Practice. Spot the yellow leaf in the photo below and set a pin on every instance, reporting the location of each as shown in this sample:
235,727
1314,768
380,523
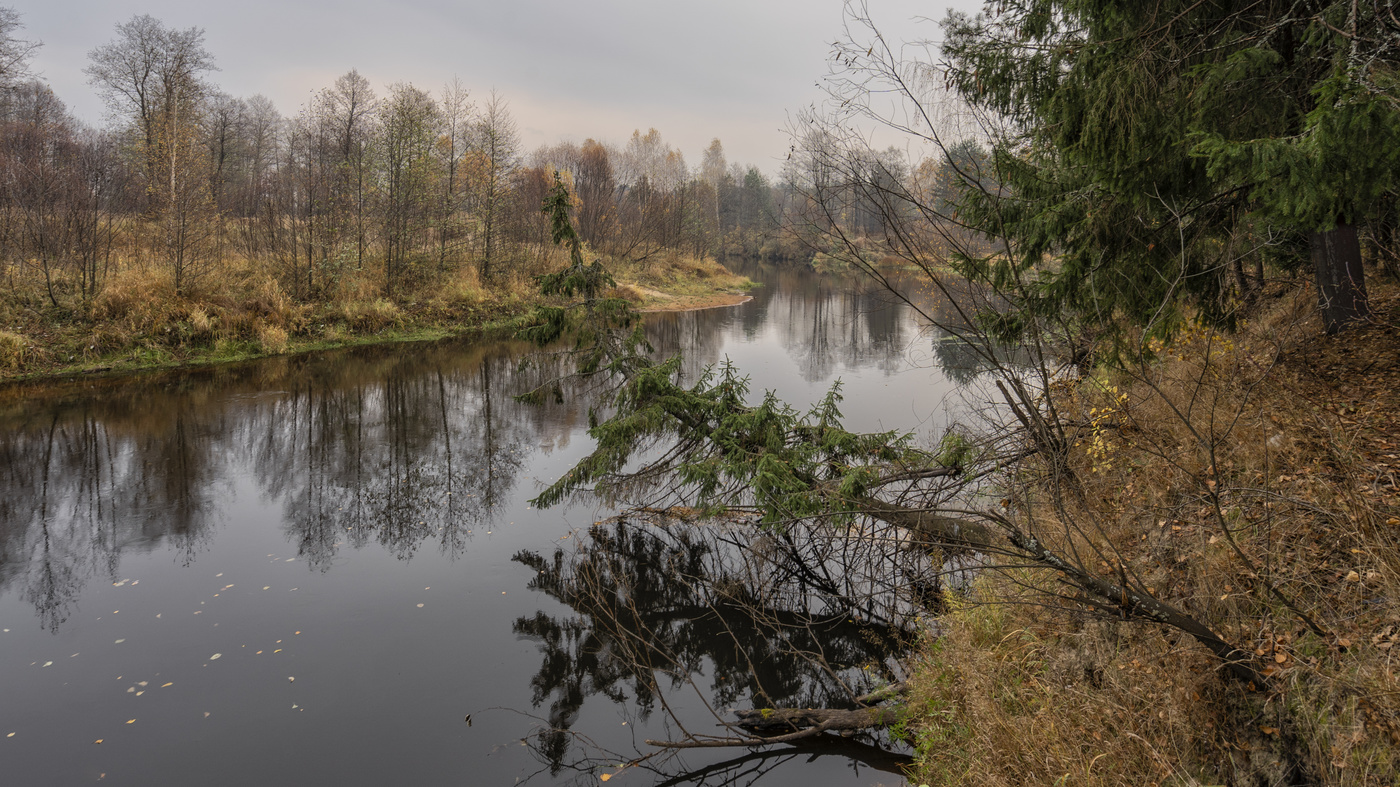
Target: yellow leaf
605,776
130,721
1280,657
99,740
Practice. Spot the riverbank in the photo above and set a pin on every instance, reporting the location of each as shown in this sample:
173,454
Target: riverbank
137,323
1251,480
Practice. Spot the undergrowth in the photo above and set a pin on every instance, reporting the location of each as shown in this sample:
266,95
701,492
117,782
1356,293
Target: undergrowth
246,308
1249,479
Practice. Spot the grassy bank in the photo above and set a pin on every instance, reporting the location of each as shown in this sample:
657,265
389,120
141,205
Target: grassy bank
1252,480
243,311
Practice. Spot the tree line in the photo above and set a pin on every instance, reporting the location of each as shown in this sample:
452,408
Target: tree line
361,191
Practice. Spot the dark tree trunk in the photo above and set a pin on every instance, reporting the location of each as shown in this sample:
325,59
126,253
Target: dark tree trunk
1341,283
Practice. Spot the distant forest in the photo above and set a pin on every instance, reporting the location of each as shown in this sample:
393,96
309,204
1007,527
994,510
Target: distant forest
362,192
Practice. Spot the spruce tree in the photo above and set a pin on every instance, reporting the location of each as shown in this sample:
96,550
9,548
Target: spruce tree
1151,135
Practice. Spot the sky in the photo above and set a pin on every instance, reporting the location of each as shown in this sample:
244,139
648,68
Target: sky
693,69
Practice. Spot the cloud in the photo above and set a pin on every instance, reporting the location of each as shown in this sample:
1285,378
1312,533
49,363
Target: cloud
731,69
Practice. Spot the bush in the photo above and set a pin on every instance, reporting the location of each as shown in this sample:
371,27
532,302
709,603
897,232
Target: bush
272,339
14,350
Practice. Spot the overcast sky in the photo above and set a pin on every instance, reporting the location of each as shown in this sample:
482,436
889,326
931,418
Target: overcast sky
693,69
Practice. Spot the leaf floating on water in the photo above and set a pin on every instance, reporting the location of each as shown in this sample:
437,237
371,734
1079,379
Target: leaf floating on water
216,656
120,641
420,606
130,721
11,735
604,776
290,679
139,693
288,560
168,685
142,683
131,690
206,714
99,740
48,663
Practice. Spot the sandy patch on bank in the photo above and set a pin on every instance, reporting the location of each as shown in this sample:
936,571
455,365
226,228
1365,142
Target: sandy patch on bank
659,301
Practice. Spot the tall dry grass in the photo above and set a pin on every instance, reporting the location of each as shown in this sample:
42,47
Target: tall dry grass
1249,479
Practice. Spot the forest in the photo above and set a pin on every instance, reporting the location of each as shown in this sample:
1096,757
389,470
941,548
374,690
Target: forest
196,222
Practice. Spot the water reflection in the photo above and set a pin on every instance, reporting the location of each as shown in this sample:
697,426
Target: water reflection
806,618
398,449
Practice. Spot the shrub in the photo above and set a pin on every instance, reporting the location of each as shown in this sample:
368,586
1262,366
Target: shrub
272,339
14,350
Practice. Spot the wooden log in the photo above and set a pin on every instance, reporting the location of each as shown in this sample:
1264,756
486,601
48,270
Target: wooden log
782,720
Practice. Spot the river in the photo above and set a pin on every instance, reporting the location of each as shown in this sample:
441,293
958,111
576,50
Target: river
325,569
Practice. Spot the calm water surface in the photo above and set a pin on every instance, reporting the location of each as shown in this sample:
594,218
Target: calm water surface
310,570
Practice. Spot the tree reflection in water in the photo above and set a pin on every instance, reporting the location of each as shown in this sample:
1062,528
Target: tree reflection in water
808,617
360,447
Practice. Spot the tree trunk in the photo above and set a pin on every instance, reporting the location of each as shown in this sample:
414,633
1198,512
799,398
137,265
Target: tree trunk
1341,283
782,720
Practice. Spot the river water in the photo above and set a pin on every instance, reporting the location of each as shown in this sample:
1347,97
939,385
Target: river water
325,569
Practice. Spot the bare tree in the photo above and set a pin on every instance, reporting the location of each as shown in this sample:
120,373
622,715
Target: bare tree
407,136
151,74
456,110
14,51
498,151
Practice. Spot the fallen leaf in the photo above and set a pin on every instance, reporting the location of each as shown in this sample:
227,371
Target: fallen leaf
290,679
130,721
1352,576
604,776
216,656
167,685
99,740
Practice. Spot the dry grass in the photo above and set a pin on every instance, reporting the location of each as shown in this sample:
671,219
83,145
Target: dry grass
238,307
1250,480
14,350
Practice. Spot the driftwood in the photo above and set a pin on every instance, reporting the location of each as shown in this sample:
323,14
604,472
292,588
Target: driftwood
795,719
784,725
